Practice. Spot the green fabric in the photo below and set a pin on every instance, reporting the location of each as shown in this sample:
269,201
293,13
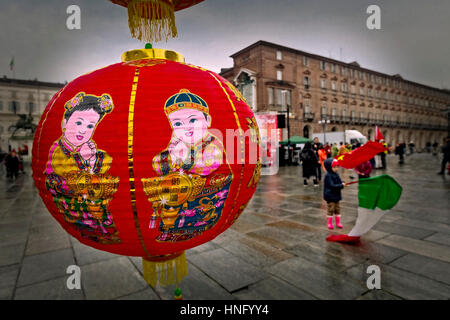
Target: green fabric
379,191
296,140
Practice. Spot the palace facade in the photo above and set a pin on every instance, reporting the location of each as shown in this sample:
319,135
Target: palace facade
347,96
28,97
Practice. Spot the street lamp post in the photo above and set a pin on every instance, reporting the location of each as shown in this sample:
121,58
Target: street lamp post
323,122
285,92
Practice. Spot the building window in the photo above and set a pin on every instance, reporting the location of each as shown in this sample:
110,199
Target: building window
14,107
344,71
307,106
270,93
305,61
333,86
352,73
279,75
361,114
323,65
353,115
353,89
323,83
279,55
31,107
344,87
369,92
306,82
333,67
344,112
361,75
324,110
361,91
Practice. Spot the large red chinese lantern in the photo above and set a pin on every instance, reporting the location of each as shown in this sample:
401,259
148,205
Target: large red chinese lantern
134,158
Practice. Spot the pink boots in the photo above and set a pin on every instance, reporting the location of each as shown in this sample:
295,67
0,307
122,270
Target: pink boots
330,223
338,221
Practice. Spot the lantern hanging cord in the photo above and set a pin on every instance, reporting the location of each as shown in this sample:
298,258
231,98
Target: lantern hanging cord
152,20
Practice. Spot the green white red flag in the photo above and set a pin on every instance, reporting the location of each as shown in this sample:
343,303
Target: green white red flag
376,196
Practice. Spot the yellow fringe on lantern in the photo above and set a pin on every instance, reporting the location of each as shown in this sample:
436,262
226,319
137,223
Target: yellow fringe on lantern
165,272
152,20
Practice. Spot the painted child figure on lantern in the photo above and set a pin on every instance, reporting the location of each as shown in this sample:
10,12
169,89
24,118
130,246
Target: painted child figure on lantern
193,176
76,173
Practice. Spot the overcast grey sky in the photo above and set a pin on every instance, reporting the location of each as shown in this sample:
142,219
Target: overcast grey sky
414,40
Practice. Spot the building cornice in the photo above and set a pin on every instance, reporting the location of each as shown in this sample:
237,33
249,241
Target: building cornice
352,65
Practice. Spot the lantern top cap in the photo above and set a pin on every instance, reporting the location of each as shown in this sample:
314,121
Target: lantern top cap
152,53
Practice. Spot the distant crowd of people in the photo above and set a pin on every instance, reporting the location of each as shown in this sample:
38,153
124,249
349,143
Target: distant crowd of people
12,163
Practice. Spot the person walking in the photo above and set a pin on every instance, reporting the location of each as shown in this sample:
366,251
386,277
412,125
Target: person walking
309,164
2,161
383,154
435,148
12,165
446,152
334,150
400,151
364,170
316,147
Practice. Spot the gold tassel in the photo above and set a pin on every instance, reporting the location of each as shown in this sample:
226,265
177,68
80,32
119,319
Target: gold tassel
152,20
162,271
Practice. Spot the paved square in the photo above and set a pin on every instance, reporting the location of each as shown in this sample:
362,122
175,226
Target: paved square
276,250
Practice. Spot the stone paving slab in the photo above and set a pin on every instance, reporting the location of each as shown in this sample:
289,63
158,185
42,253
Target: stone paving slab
428,249
146,294
110,279
430,268
86,255
272,288
317,280
11,253
8,276
403,283
46,238
45,266
197,286
229,271
378,295
440,238
402,230
274,237
55,289
255,252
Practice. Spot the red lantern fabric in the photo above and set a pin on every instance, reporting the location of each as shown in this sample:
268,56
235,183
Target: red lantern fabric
128,158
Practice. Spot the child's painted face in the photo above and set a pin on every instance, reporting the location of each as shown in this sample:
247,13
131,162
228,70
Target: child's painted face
80,126
189,125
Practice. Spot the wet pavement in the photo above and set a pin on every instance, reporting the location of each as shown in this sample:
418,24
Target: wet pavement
276,250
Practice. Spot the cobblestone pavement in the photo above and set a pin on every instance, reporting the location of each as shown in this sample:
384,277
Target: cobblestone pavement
276,250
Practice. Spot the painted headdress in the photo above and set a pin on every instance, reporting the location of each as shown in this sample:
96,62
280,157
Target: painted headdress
102,103
185,100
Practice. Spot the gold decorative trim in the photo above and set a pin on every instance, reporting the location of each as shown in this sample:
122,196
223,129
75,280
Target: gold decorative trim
139,54
131,160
